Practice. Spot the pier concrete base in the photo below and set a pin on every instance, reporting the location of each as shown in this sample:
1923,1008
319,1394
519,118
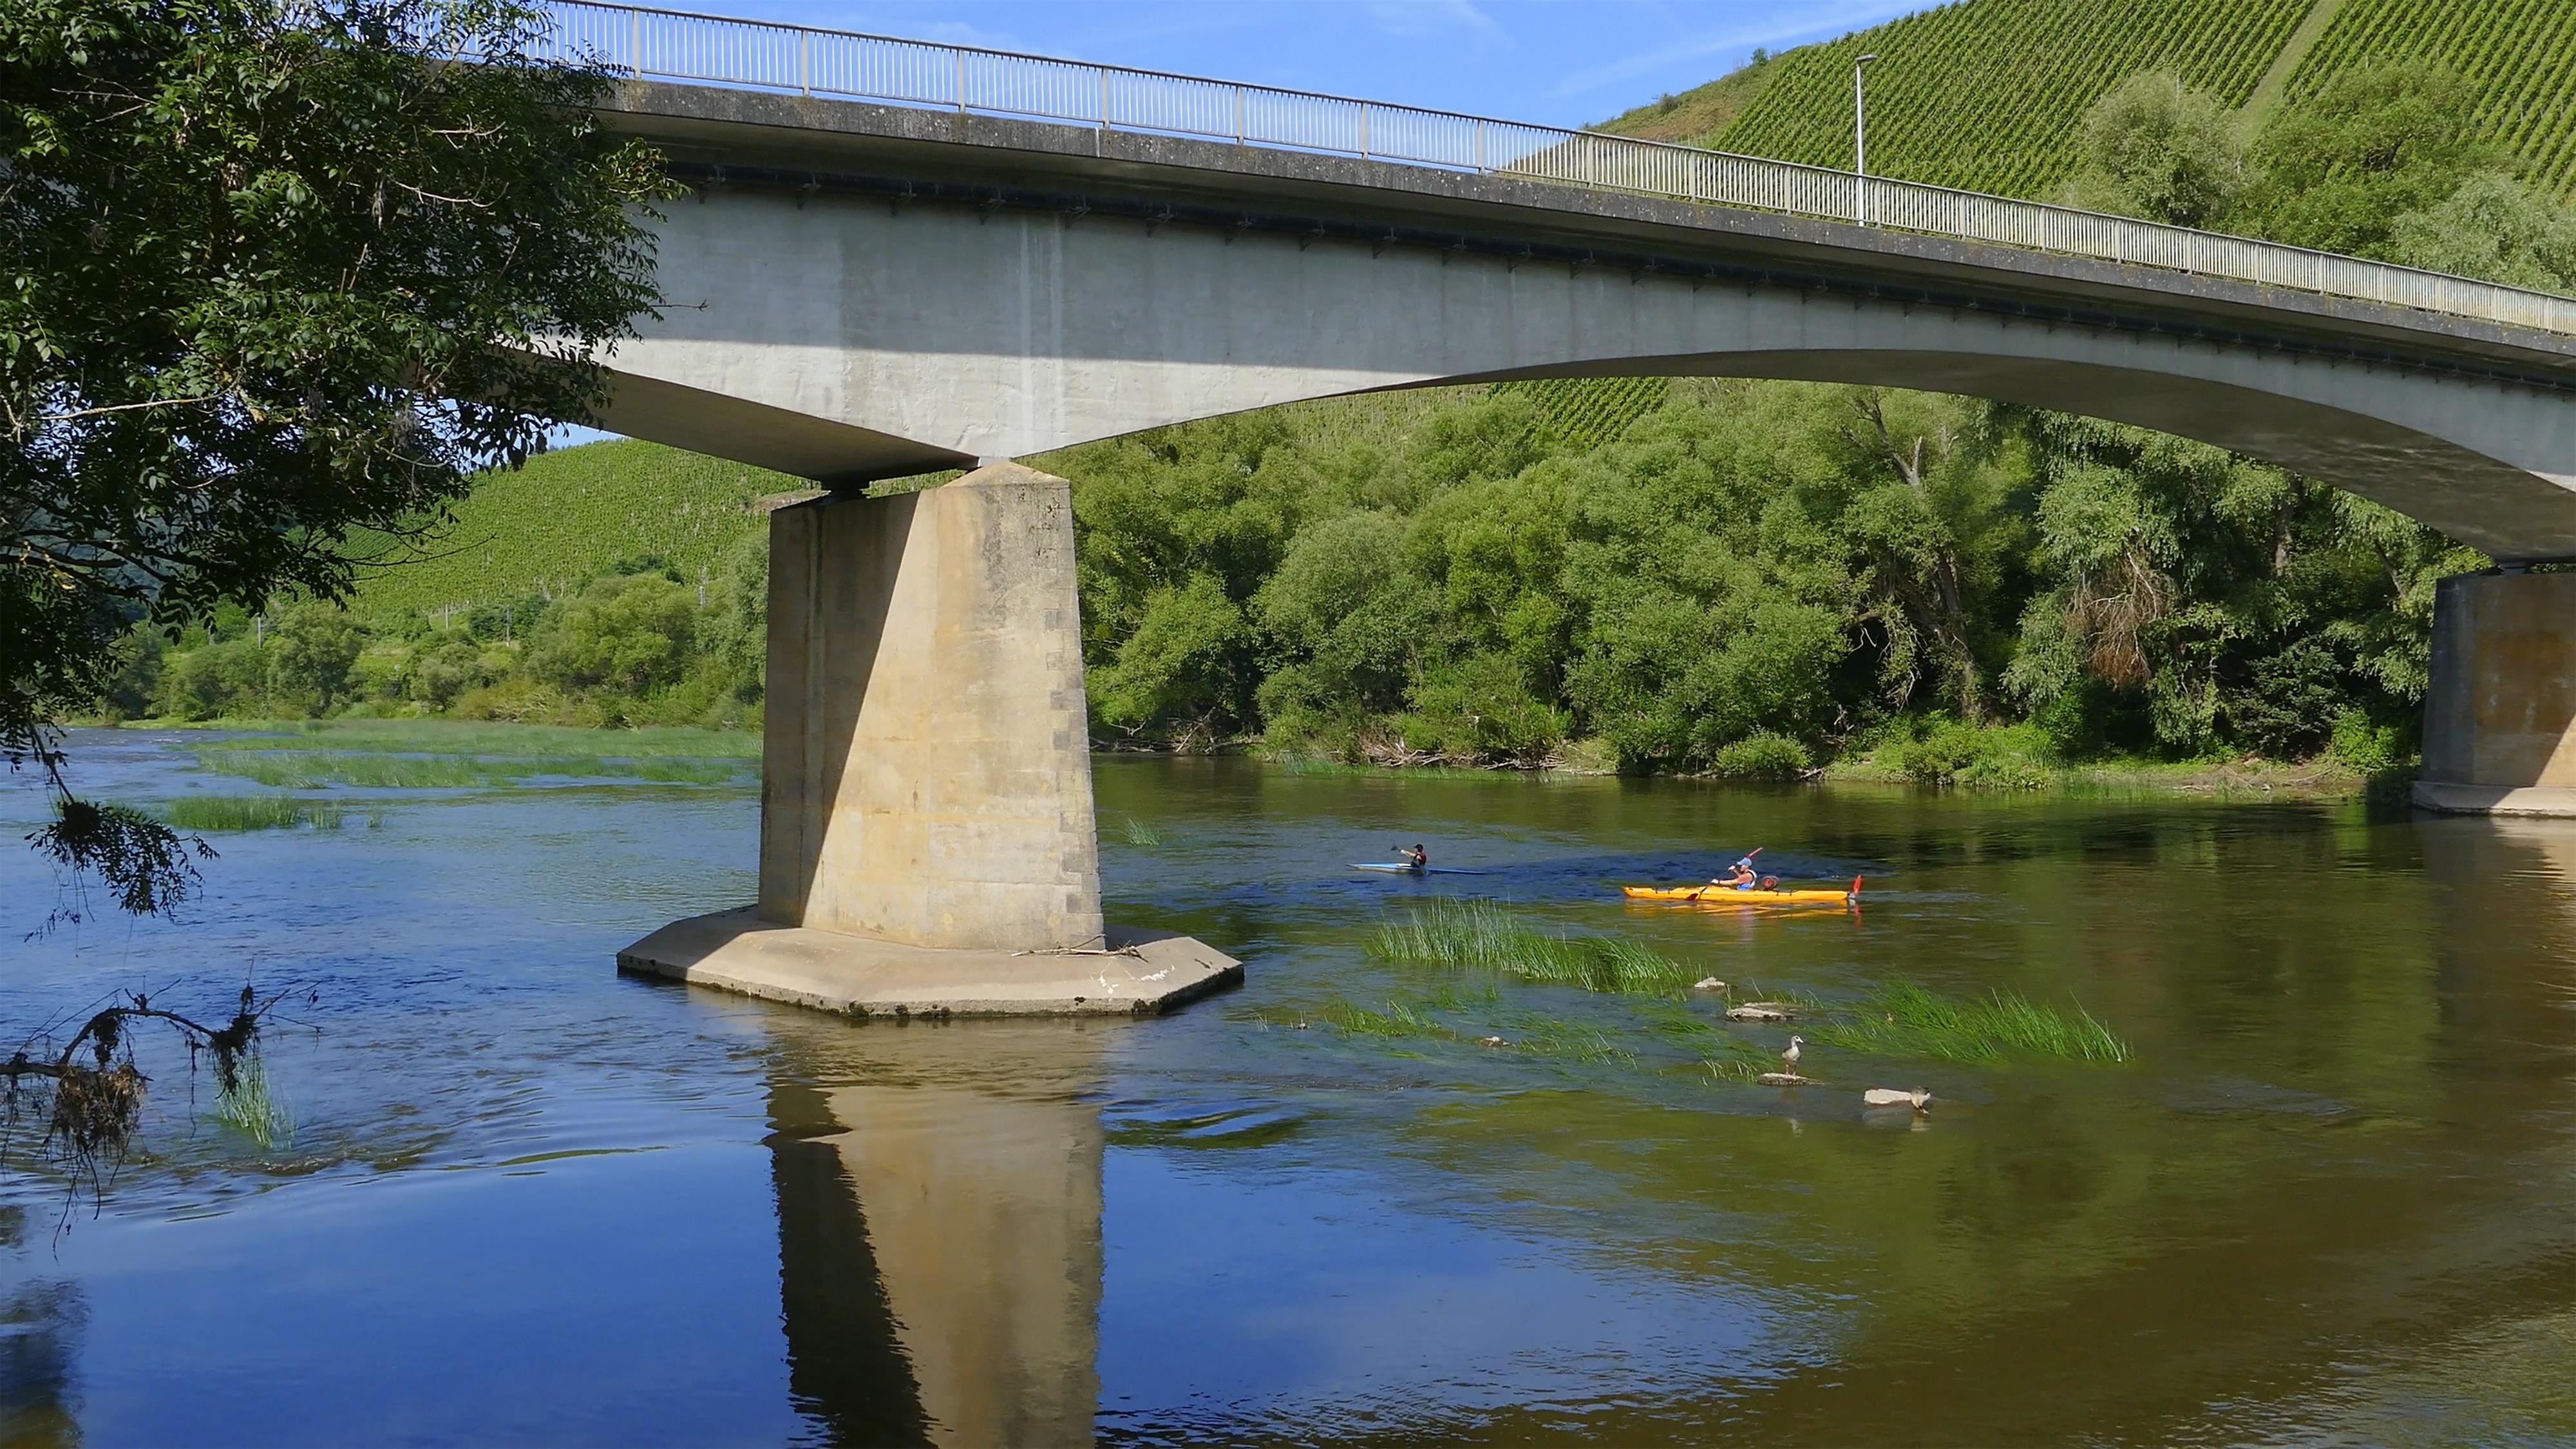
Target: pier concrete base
1139,973
2500,709
927,842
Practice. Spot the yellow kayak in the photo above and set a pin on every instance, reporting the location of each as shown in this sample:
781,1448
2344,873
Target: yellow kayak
1725,896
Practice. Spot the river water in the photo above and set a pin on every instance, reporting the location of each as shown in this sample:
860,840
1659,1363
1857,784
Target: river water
2333,1198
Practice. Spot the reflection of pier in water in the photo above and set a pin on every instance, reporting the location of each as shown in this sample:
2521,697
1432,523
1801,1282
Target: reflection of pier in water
939,1227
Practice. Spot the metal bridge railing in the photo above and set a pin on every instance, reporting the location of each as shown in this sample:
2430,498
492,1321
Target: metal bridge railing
762,55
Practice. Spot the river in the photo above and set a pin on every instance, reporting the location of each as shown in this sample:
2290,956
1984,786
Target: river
2332,1197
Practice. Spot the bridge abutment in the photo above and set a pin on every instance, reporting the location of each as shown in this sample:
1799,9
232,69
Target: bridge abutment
927,843
2500,708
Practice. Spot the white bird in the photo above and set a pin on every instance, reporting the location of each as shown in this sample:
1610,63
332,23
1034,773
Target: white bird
1790,1057
1918,1099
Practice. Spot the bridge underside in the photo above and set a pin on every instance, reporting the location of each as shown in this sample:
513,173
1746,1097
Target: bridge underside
853,292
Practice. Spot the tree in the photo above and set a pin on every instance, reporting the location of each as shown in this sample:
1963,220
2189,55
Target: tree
2494,228
2157,149
310,660
2339,168
274,270
633,633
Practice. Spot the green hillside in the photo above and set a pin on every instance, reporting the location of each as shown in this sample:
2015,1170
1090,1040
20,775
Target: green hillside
1987,94
566,516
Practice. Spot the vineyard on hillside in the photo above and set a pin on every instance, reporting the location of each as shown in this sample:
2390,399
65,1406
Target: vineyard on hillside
1988,94
1587,412
2519,57
566,516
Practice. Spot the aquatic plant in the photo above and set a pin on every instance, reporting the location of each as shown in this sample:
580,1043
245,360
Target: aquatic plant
312,768
1904,1019
1140,833
250,812
253,1106
460,737
1571,1041
1398,1020
1481,935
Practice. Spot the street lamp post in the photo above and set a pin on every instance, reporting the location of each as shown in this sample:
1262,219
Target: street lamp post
1860,146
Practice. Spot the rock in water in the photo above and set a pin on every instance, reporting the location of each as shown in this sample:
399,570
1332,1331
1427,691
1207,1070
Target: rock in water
1756,1012
1918,1099
1708,983
1785,1079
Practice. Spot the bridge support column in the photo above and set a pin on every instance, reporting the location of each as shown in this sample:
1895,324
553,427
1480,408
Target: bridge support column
2500,711
926,834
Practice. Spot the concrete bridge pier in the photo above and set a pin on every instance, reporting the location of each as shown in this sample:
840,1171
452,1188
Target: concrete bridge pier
2500,709
927,846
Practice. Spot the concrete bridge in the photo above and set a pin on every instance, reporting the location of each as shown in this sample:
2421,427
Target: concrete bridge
1008,255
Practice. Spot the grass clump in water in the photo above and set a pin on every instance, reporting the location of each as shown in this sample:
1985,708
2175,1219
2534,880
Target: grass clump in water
256,1109
1140,833
462,737
250,812
306,768
1904,1019
1481,935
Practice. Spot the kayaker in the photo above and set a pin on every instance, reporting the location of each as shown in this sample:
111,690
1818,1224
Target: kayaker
1417,858
1740,876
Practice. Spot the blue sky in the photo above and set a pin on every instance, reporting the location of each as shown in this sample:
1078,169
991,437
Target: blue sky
1557,62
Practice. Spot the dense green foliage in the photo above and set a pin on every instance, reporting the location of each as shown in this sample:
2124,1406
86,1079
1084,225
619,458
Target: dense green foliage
1751,574
274,272
635,643
1991,95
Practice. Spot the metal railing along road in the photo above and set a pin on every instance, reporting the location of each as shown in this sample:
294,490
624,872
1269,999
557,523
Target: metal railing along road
762,55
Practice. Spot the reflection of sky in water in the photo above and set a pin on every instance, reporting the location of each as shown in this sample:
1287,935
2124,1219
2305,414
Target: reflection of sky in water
529,1200
1284,1304
630,1299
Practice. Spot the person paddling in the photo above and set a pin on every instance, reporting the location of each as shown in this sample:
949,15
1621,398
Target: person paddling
1417,858
1740,876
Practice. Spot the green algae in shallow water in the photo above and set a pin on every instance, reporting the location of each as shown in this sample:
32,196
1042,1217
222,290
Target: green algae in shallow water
1481,935
251,812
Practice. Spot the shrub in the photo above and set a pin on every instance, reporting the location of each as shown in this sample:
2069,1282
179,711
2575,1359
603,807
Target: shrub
1948,750
1761,757
1481,708
2367,748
